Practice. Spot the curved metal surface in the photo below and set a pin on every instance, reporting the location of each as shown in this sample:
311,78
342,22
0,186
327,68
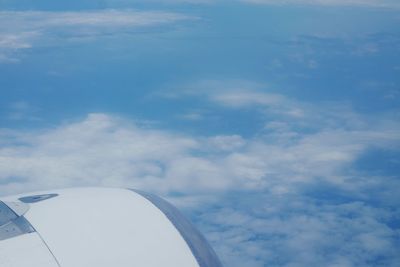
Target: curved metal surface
18,208
202,251
11,224
6,214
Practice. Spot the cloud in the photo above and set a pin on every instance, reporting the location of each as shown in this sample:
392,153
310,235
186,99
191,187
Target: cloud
164,1
327,3
227,143
260,201
100,18
283,197
243,98
22,110
105,150
360,3
238,94
21,30
193,115
10,43
356,3
297,230
265,101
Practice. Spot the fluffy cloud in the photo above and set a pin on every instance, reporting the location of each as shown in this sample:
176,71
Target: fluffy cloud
298,230
104,150
281,198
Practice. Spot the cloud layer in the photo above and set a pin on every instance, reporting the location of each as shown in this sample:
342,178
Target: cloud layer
282,198
105,150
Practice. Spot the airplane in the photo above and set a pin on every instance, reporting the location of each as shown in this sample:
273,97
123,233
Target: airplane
98,227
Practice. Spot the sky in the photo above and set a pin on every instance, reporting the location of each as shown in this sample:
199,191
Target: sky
273,125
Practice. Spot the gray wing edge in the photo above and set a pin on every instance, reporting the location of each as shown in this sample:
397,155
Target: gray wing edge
201,250
12,224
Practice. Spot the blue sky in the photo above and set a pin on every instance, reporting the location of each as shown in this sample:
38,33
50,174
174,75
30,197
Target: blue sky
274,126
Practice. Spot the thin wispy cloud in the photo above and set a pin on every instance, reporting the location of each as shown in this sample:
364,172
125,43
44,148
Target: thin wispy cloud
26,29
264,99
359,3
233,94
22,110
354,3
100,18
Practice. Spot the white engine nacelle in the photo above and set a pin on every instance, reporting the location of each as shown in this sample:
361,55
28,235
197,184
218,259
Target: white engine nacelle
98,227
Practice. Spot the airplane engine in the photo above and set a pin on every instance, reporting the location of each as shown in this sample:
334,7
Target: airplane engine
98,227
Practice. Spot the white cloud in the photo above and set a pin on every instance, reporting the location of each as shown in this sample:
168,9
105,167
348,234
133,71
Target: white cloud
266,101
99,18
361,3
105,150
296,231
240,94
10,43
237,93
25,29
284,197
164,1
266,200
227,143
16,41
196,115
244,98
